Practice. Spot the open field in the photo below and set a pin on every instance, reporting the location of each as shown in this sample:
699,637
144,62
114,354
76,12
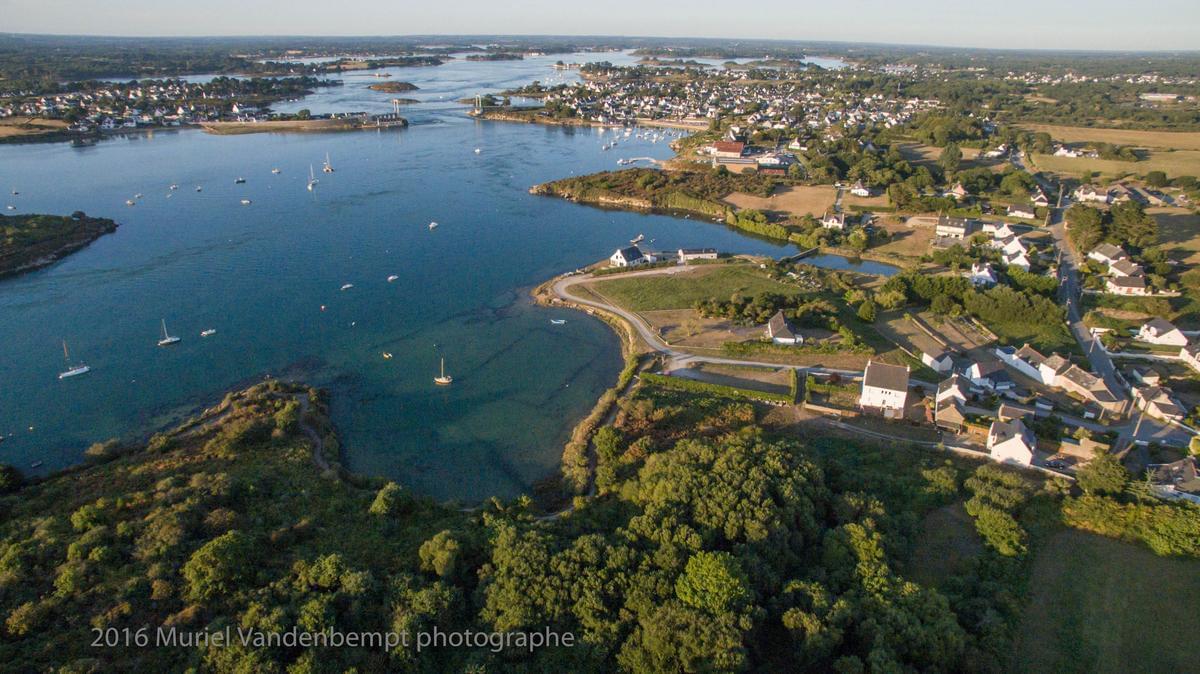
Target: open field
867,203
800,200
18,127
686,328
927,155
1099,605
1172,162
669,291
1169,140
908,240
1178,233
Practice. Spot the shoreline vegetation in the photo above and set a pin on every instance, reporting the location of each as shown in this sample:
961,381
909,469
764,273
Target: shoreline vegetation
536,114
30,242
393,87
355,123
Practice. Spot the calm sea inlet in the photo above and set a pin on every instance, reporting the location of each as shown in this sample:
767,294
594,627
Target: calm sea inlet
268,277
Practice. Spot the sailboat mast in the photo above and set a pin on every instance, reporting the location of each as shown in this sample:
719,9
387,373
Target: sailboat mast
443,367
66,354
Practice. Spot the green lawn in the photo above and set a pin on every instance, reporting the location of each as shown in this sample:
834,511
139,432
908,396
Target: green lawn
1099,605
681,291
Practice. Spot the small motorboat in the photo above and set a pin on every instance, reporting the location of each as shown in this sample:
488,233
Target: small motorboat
129,202
208,333
393,277
138,195
433,225
199,189
174,186
275,171
239,180
11,207
347,286
477,150
387,355
246,202
557,321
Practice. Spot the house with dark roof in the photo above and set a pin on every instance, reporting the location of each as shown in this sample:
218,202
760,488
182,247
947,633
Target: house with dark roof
1011,442
630,256
1106,253
780,332
1161,331
1177,480
990,376
1126,285
884,389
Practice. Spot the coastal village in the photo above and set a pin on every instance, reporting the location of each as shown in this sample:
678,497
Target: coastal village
918,364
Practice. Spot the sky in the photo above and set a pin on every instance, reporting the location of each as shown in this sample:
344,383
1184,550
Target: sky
1014,24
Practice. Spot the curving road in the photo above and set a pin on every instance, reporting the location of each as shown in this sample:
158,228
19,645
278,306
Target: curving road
650,336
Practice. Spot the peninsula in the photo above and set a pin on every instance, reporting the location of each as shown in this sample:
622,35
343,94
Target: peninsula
29,242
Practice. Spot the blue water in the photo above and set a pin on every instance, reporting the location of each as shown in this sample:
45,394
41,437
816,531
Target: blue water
841,263
260,274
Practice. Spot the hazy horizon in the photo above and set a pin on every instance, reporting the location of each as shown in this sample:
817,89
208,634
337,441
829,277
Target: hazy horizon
1162,25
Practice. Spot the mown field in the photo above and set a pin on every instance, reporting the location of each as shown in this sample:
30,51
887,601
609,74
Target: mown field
1178,233
681,291
799,200
1173,162
1171,140
1099,605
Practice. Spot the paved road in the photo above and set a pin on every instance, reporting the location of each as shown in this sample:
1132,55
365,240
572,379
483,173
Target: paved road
1069,292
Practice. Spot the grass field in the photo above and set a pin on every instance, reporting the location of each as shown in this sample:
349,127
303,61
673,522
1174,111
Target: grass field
877,201
927,155
1098,605
1169,140
799,200
1172,162
1178,233
681,291
13,127
908,240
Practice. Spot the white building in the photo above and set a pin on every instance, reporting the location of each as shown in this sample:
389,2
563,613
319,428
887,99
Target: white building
860,190
1011,442
1106,253
688,254
938,362
780,332
981,274
884,389
834,221
1161,331
630,257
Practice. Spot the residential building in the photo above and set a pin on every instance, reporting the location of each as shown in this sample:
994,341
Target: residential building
1091,193
884,389
981,274
686,255
1126,285
834,221
780,332
860,190
1106,253
1190,355
1026,212
1161,331
939,361
990,376
1156,402
631,256
1177,480
1125,267
1011,442
954,228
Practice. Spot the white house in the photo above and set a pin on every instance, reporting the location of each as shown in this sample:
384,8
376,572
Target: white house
954,228
1178,480
1126,285
955,387
1018,260
1161,331
1191,355
957,193
1091,193
1157,402
1011,442
939,361
631,256
780,332
981,274
1125,267
834,221
1026,212
860,190
990,376
1039,198
1106,253
885,389
688,254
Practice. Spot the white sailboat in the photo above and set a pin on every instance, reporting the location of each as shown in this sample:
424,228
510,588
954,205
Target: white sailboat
312,178
327,168
208,333
167,338
72,370
433,225
444,379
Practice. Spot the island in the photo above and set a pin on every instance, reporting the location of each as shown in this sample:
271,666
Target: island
29,242
393,87
495,56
